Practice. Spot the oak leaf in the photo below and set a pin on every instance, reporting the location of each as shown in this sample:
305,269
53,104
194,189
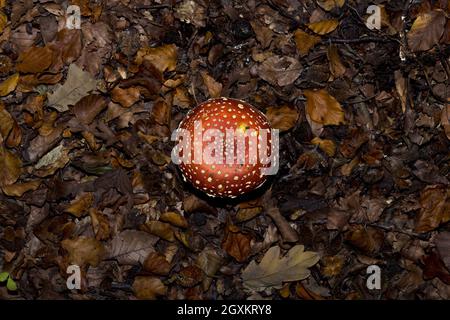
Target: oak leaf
275,269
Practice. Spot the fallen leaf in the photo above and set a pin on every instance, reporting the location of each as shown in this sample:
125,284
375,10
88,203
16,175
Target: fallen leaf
210,262
282,118
164,58
400,85
9,85
189,276
84,251
305,41
426,30
174,218
236,243
3,21
324,26
148,288
80,205
329,5
325,145
443,245
337,69
125,97
77,85
6,121
435,208
214,87
131,247
52,161
35,60
445,120
10,167
18,189
156,263
434,267
160,229
281,71
190,11
273,269
161,112
89,107
332,266
323,108
100,224
367,239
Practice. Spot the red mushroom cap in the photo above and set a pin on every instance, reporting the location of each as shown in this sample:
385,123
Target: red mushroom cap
226,179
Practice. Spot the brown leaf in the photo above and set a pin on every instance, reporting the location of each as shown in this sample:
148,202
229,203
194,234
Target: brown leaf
18,189
426,30
125,97
326,145
367,239
329,5
332,266
6,121
282,118
164,58
280,71
100,224
131,247
445,120
148,288
174,218
156,263
434,267
160,229
190,276
35,60
181,98
324,26
323,108
214,87
84,251
69,42
89,107
435,208
337,69
10,167
161,112
9,85
443,245
305,41
236,243
245,214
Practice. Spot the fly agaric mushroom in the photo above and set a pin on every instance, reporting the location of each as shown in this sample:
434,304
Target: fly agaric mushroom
227,148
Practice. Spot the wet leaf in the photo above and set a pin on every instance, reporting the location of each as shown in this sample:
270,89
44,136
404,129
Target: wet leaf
11,284
275,269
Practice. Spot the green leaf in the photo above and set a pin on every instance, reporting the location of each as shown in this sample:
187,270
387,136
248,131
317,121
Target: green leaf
11,285
4,276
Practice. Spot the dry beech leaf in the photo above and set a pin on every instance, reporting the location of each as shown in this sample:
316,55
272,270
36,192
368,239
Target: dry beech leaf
282,118
337,69
156,263
324,26
329,5
435,208
148,288
210,262
78,84
10,167
281,71
326,145
332,266
245,214
181,98
100,224
426,30
236,243
304,41
6,121
163,58
18,189
9,85
70,44
190,11
445,120
274,269
367,239
84,251
323,108
80,205
443,245
174,218
160,229
35,60
214,87
189,276
125,97
161,112
131,247
3,21
400,85
89,107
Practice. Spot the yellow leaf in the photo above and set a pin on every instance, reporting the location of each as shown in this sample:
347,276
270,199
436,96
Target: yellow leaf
283,118
324,26
337,69
84,251
325,145
305,41
3,21
79,207
9,85
323,108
